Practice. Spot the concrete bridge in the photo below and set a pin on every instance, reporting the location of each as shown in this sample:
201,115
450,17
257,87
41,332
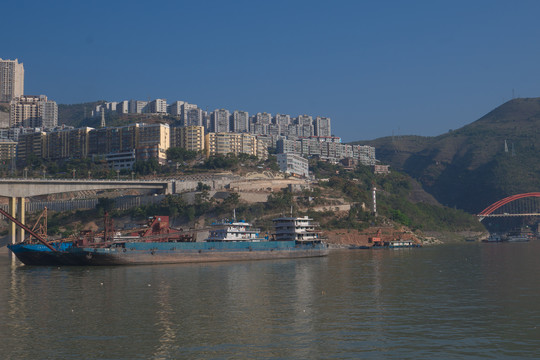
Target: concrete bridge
18,189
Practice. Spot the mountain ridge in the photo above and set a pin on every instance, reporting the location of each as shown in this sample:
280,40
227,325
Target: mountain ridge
477,164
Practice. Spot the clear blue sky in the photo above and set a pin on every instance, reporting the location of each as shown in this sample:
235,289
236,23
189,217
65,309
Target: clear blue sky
374,67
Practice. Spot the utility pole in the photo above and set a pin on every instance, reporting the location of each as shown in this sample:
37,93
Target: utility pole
374,201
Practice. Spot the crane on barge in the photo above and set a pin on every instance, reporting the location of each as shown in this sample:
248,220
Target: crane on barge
27,229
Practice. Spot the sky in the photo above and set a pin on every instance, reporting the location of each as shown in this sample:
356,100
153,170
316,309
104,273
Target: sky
376,68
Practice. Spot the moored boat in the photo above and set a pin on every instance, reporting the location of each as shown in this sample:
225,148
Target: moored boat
493,237
518,238
396,244
158,243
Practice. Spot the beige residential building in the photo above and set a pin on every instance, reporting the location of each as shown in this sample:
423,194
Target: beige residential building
24,111
189,137
8,149
11,79
234,143
32,144
33,111
68,143
156,139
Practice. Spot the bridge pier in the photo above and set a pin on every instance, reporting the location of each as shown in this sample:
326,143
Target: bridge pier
17,210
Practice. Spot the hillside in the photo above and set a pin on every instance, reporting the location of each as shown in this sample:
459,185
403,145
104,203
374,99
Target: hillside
75,114
341,201
471,167
79,115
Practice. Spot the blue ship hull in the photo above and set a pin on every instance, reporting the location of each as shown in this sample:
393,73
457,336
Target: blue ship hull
136,253
39,254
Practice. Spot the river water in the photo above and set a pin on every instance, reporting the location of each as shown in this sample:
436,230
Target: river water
469,301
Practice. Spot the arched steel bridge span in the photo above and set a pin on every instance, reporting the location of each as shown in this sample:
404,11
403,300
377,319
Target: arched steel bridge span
513,206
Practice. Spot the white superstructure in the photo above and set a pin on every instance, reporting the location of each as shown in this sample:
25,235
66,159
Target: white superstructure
301,229
234,231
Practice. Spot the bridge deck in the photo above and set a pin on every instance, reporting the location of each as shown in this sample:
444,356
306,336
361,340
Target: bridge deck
34,187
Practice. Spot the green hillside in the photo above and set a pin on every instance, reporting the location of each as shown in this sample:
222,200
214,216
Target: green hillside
472,167
76,114
79,115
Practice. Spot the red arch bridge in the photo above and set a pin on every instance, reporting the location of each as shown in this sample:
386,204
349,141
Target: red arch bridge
527,204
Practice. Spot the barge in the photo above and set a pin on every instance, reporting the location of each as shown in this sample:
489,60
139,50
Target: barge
159,243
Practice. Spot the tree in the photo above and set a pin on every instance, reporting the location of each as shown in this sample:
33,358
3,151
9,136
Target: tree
179,154
203,187
104,205
221,162
174,204
146,167
281,201
231,202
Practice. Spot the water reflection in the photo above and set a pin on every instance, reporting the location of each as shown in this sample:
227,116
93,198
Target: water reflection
457,301
165,325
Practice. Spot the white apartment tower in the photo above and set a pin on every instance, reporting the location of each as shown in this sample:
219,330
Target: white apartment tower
157,106
11,80
122,107
33,111
263,118
220,121
137,107
282,119
191,115
322,126
49,114
304,120
240,121
175,109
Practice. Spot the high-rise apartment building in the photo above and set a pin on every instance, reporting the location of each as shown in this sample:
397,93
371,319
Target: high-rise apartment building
282,119
240,121
137,107
155,137
306,130
33,111
322,126
157,106
122,107
273,129
220,120
293,164
193,117
34,143
175,109
70,143
188,137
7,149
25,111
11,80
327,148
263,118
233,143
304,120
49,114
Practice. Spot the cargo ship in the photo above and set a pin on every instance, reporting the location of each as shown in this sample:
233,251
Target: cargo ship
159,243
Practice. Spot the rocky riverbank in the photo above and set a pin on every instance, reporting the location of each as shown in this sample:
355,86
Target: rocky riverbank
352,237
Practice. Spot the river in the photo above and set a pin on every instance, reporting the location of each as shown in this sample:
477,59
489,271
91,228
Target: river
467,301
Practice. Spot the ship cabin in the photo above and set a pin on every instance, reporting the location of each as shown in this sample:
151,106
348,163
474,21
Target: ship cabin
299,229
234,231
